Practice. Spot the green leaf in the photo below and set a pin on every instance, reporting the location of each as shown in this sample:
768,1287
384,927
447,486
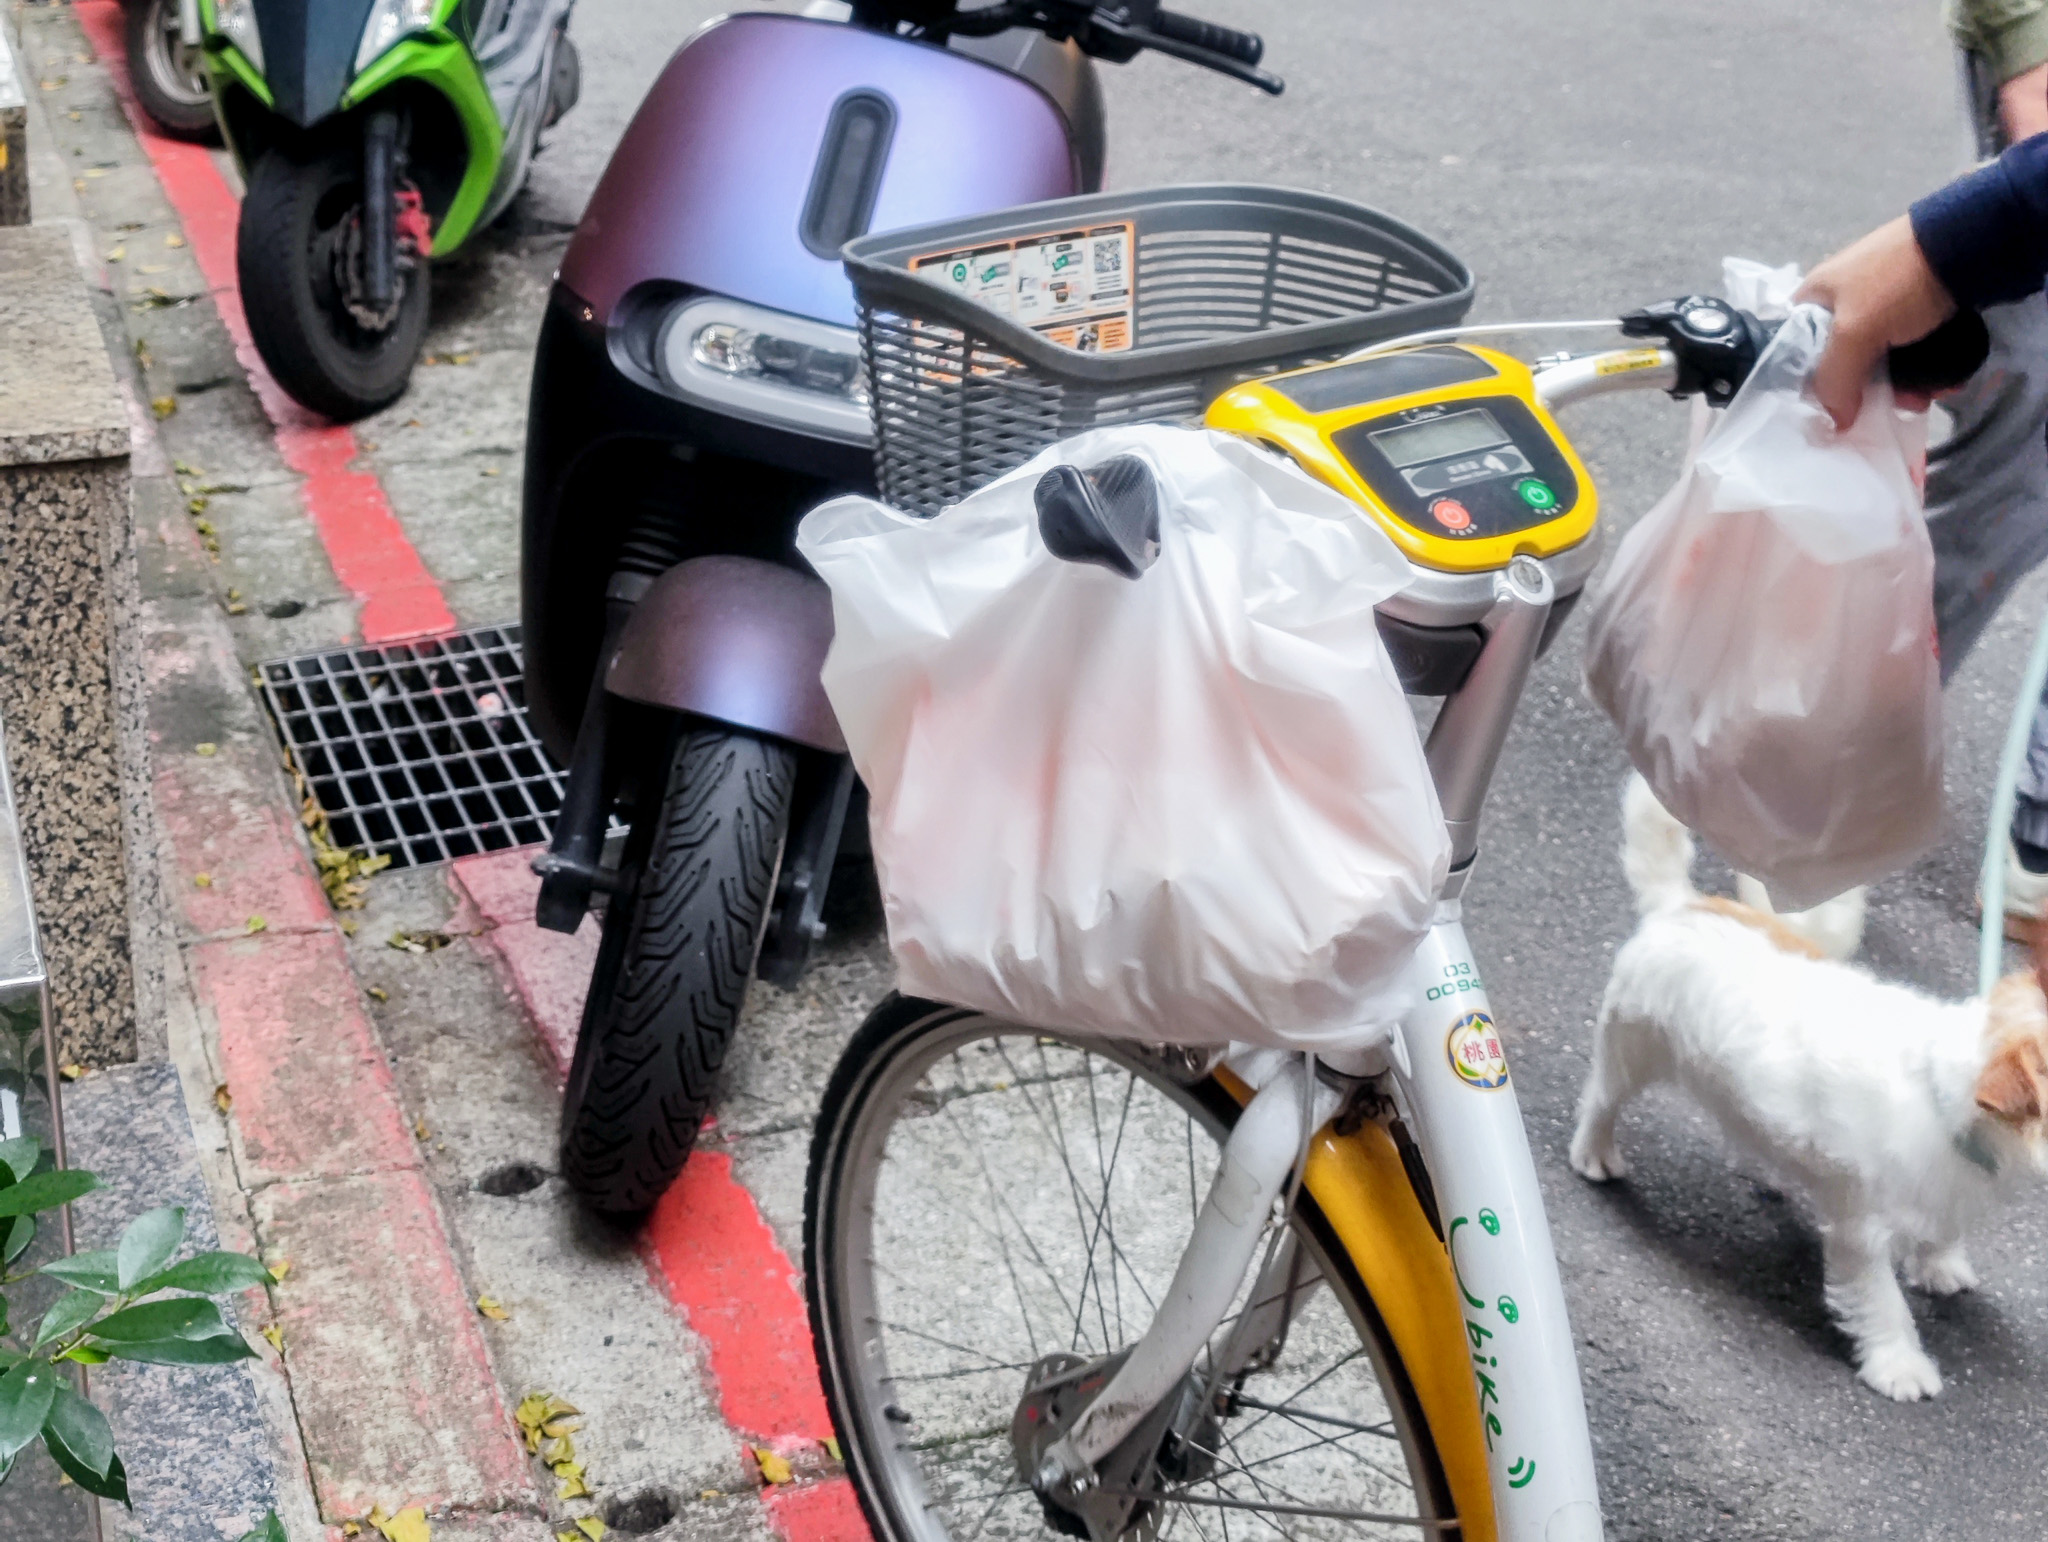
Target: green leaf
69,1312
18,1157
270,1530
88,1271
112,1484
85,1354
82,1430
46,1191
148,1243
179,1317
17,1234
223,1350
211,1274
26,1393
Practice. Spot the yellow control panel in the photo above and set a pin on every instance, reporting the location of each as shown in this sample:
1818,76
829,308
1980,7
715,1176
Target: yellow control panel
1446,446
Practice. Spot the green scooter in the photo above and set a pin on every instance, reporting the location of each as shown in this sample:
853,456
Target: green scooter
372,135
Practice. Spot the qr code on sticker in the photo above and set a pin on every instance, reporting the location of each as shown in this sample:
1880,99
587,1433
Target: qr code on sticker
1109,254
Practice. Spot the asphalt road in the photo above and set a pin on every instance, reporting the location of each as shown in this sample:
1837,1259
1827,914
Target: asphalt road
1582,158
1585,158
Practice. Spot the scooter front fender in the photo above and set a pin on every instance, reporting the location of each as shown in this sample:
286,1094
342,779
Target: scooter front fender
737,640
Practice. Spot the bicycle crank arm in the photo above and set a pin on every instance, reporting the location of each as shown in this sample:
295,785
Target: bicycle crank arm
1539,1450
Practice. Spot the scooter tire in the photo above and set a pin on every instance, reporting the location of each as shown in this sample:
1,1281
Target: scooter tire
177,101
672,969
313,346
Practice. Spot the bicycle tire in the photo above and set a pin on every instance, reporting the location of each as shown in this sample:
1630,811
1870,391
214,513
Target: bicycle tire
840,1207
672,969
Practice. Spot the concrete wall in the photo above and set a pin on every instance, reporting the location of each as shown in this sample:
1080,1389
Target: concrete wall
63,526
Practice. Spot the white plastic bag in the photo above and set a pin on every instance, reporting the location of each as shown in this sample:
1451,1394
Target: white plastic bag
1765,638
1189,807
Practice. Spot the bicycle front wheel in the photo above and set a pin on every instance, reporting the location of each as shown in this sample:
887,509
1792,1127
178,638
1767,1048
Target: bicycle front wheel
989,1207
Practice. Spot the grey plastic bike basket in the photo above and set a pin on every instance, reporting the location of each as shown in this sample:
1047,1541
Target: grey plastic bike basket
1230,282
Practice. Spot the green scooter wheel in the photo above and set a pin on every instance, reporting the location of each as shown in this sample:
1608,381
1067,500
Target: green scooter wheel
298,261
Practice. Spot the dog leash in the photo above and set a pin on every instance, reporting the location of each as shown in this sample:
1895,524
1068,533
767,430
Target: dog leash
2004,792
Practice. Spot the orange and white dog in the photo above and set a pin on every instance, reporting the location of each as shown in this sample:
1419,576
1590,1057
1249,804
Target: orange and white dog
1902,1118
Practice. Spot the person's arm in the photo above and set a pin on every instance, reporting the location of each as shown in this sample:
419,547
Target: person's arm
1981,240
2011,36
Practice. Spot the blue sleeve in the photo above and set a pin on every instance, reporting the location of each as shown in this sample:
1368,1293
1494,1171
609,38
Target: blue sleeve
1986,234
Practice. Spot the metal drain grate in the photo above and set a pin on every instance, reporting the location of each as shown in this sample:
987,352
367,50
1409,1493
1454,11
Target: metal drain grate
419,751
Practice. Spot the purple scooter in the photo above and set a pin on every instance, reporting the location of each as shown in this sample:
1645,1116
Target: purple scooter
698,387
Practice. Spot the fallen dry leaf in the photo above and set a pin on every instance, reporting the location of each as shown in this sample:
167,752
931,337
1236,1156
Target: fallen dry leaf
773,1468
258,924
222,1098
419,942
174,240
117,254
348,927
163,406
592,1528
572,1486
275,1335
280,1269
709,1493
832,1448
202,880
491,1307
71,1072
209,750
408,1525
378,993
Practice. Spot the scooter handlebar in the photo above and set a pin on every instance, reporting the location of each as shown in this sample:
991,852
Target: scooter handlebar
1244,47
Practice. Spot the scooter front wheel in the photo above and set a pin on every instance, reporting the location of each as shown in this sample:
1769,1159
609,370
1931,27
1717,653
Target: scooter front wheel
299,262
169,78
672,968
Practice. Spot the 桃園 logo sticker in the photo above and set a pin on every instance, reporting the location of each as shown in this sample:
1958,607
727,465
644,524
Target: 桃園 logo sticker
1476,1055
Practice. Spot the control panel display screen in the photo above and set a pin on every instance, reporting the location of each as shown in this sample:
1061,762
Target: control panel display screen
1460,433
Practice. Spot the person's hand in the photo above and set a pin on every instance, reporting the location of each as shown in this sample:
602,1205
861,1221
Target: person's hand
2023,105
1882,293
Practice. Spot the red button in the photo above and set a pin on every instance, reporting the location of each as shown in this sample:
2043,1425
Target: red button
1451,514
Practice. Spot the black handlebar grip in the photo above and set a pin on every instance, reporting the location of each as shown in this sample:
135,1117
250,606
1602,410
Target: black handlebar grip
1943,359
1245,47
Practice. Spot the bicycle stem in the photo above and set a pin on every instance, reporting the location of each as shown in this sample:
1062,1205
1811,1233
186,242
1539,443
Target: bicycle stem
1472,726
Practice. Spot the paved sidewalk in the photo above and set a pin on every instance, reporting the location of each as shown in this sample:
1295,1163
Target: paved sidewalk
380,1122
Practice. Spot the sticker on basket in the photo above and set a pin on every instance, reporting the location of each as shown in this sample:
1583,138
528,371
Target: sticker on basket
1073,287
1476,1055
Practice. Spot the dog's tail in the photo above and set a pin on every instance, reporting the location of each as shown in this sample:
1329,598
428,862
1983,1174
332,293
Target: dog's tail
1656,851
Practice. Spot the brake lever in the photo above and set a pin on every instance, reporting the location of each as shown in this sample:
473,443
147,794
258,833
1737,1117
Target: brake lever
1223,64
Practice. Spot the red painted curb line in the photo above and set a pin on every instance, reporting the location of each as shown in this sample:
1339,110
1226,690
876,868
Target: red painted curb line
707,1247
364,541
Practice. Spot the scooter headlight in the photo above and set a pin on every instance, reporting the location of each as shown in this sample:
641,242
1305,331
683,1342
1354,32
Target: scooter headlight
236,20
767,367
391,20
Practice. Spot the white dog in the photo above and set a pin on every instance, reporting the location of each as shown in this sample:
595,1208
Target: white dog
1901,1117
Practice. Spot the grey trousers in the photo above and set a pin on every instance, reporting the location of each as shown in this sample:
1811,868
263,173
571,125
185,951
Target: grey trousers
1987,512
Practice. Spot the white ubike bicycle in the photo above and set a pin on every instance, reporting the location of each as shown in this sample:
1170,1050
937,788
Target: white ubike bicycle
1118,1291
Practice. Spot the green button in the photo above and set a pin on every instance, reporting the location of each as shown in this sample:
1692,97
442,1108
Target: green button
1536,493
